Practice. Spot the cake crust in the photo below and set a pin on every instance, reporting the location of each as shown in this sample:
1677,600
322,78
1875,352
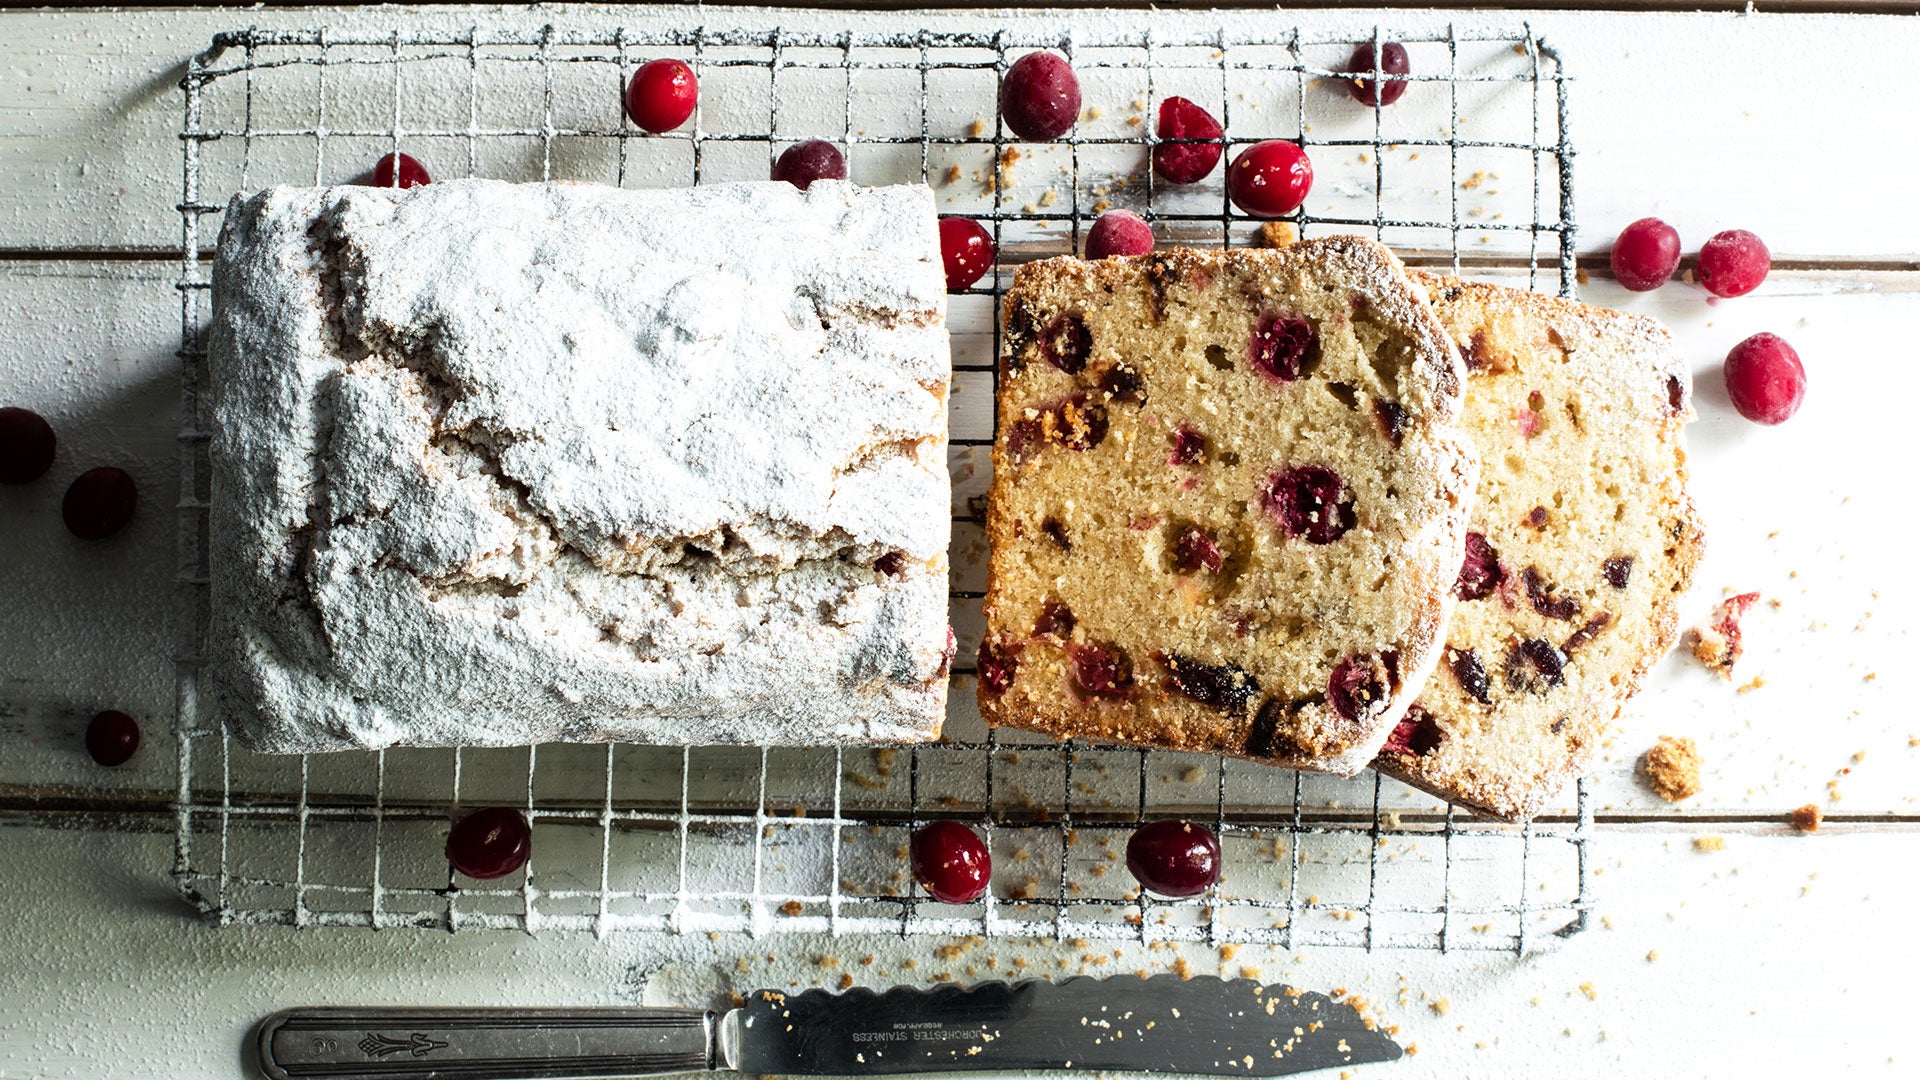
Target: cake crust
1229,627
1583,540
497,464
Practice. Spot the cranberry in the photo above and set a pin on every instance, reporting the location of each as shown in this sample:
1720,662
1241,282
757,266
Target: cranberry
1480,571
967,251
1540,595
1056,531
1101,671
1194,550
1355,688
112,738
1189,446
892,564
1076,424
1732,263
1391,418
99,503
1645,255
950,861
1390,60
490,843
1186,163
1618,570
1056,620
997,665
1765,379
26,446
1535,666
1174,858
1040,97
804,162
1119,232
1270,179
1122,384
399,170
1226,687
1417,735
662,94
1587,632
1283,348
1471,674
1066,343
1306,501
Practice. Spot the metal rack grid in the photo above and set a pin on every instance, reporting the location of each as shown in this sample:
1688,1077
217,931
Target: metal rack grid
680,839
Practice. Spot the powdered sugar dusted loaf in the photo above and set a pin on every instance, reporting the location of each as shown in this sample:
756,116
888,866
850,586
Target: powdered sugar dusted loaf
498,464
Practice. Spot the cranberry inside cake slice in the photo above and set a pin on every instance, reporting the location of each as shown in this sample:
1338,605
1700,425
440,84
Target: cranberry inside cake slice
1228,502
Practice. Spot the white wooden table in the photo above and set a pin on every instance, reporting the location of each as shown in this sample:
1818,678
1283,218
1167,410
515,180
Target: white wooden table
1777,955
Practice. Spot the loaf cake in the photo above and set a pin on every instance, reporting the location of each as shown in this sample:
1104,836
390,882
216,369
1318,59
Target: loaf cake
1583,537
1228,502
495,464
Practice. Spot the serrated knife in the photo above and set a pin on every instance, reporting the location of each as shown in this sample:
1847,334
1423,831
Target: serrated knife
1164,1024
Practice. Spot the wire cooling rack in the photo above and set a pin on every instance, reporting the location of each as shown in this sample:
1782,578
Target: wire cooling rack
684,839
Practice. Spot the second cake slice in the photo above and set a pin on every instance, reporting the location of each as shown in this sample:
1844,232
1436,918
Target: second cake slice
1228,503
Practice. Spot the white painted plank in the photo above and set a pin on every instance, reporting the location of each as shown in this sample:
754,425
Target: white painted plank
1686,115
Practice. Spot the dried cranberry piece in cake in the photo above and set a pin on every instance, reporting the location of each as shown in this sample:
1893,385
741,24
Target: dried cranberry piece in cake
1121,385
1417,735
892,564
1587,632
1076,423
997,665
1357,687
1618,570
1391,416
1535,666
1056,532
1226,687
1306,501
1066,343
1540,595
1284,347
1466,667
1265,739
1023,438
1189,446
1194,550
1480,571
1102,671
1056,620
1537,517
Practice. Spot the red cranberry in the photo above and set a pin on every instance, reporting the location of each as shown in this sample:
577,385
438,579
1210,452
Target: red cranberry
997,664
1765,379
1270,179
1101,671
1732,263
1645,255
1189,446
1056,620
1417,736
1390,60
1121,383
1618,570
26,446
99,503
966,249
1040,98
1186,163
1306,501
112,738
1390,417
1174,858
1480,571
1356,688
892,564
1535,666
399,170
1283,348
662,94
1540,595
1056,531
1119,232
950,861
1471,674
1227,687
1194,551
804,162
490,843
1067,343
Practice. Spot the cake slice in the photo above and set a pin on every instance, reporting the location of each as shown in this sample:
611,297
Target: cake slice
497,464
1582,539
1228,502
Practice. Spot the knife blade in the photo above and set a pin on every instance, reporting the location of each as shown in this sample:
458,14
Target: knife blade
1162,1024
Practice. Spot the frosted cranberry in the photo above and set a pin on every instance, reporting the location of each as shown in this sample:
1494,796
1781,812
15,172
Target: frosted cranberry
1186,163
1174,858
1306,501
1194,550
662,94
1283,348
1471,674
490,843
26,446
1270,179
1390,60
1189,446
1645,255
99,503
1765,379
1040,97
1119,232
1101,670
1732,263
1356,688
997,665
399,170
950,861
967,251
1066,343
112,738
804,162
1480,571
1417,735
1226,687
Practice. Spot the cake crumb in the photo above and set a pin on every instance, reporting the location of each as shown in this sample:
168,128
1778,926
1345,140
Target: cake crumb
1276,234
1709,843
977,128
1587,989
792,907
1441,1007
1716,643
1672,767
1750,685
846,981
1807,818
953,175
1192,774
1653,955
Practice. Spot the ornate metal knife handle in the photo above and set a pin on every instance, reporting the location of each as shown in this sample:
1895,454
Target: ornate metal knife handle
483,1044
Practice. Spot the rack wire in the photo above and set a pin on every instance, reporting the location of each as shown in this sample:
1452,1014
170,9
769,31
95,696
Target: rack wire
685,839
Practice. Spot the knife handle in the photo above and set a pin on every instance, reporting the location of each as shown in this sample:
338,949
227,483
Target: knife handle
483,1044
